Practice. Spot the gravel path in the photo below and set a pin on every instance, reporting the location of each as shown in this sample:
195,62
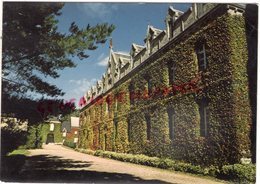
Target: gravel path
55,163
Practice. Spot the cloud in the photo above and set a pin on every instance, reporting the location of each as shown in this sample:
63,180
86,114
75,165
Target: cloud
79,89
82,85
98,10
102,60
124,52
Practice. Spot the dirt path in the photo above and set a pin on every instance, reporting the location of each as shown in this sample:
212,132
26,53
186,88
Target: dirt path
55,163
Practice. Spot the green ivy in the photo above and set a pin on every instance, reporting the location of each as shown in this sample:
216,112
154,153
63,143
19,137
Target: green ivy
224,83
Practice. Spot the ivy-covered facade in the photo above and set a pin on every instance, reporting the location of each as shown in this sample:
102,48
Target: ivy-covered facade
186,94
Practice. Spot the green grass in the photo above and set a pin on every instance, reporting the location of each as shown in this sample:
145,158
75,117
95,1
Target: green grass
19,152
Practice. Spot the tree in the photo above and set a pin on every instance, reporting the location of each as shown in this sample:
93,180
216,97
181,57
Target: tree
33,47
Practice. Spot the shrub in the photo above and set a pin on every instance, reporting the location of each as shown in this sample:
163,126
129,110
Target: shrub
240,172
12,136
33,138
69,144
87,151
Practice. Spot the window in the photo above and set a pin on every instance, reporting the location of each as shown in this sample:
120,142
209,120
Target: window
171,124
204,117
89,117
150,87
99,134
148,126
129,130
116,103
52,127
105,141
131,93
171,72
94,113
115,128
106,107
76,132
76,140
201,56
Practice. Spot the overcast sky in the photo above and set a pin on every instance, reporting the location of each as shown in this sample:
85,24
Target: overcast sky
131,21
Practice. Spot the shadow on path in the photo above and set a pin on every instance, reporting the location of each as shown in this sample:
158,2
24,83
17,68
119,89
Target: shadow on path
46,168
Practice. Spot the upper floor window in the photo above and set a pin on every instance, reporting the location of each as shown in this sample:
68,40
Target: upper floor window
115,128
201,56
131,93
171,73
116,103
106,107
204,117
149,86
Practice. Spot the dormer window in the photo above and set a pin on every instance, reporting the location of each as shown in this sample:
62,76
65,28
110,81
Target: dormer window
109,81
133,53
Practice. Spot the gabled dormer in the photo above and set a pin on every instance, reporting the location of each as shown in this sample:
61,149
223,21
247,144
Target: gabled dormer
135,49
89,95
103,79
171,17
99,86
94,91
153,38
120,60
151,34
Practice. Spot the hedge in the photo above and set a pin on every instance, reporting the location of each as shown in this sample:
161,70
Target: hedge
237,172
69,144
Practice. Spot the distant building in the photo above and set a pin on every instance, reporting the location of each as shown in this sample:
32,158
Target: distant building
188,93
70,130
54,133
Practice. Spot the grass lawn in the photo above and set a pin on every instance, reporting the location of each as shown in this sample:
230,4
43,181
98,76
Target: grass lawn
19,152
12,163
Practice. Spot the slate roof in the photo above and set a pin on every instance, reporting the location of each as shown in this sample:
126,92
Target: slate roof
66,125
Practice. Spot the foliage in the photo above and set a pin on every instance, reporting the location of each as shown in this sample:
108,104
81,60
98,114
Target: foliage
33,138
35,111
37,135
86,151
74,113
239,172
57,133
243,173
19,152
33,47
13,134
163,163
44,130
69,144
224,83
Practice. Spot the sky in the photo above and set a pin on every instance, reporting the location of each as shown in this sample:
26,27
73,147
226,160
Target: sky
131,21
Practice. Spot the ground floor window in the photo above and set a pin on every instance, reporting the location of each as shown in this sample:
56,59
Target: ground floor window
204,117
148,126
171,124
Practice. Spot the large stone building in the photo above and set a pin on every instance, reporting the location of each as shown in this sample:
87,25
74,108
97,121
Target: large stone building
188,93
